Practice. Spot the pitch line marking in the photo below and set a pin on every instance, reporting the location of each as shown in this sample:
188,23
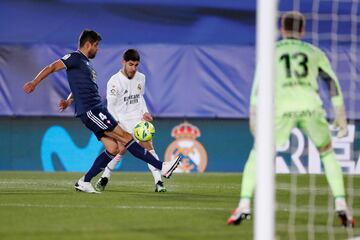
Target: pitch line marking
29,205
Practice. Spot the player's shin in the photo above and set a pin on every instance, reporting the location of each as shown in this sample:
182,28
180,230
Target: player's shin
249,178
333,173
138,151
100,162
155,172
111,166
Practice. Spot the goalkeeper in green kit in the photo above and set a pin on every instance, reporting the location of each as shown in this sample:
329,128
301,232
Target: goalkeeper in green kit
298,105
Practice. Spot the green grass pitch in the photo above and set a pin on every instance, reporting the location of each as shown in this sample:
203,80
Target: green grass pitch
37,205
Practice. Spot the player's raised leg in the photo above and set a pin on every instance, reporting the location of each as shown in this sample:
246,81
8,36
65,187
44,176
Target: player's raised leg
166,168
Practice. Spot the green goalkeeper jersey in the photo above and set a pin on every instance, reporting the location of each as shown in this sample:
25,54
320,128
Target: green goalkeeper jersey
298,64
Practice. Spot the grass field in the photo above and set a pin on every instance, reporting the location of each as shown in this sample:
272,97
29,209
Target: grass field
36,205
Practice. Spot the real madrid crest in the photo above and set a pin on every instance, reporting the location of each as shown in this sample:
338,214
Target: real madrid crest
195,156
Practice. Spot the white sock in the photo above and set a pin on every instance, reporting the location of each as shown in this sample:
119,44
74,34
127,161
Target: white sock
111,166
340,204
155,172
245,204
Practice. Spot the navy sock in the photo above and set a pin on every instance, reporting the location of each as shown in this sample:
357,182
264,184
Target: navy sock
99,164
140,152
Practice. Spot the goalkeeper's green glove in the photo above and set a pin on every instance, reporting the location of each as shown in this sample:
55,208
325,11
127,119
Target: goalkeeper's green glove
340,121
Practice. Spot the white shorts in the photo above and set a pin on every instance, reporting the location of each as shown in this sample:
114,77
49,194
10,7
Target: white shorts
129,124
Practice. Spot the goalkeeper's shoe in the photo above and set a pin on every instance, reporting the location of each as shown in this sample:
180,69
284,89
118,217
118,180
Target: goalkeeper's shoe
101,184
346,220
159,187
169,167
238,215
86,187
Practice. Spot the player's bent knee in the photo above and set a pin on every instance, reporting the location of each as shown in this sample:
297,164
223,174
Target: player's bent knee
122,150
324,148
147,145
119,134
112,150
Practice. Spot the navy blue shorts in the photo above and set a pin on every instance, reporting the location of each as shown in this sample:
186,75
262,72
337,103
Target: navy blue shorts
98,120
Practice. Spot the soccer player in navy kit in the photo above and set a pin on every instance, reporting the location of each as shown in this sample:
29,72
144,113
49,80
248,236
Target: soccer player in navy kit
89,108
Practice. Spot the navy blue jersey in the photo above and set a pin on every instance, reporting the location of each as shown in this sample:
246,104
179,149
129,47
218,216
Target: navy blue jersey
82,80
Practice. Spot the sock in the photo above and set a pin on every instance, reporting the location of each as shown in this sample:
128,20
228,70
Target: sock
100,162
249,178
138,151
340,204
333,173
245,204
155,172
111,166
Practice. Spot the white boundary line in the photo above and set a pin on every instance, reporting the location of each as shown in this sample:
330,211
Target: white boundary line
29,205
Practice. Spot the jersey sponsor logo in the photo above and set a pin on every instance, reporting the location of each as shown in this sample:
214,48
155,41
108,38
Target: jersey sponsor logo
132,99
302,114
195,156
66,56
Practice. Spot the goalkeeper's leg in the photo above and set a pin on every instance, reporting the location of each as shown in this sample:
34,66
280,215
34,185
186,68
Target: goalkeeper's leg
334,177
318,131
283,127
243,211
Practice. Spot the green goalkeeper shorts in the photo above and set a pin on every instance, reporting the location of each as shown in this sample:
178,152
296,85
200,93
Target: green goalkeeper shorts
313,123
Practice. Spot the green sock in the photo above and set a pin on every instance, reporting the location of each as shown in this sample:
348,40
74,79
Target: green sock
333,173
249,178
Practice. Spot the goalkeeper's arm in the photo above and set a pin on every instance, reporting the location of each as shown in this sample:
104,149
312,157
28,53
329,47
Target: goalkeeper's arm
337,100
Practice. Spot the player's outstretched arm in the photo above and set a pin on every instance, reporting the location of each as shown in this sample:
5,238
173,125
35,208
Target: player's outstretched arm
46,71
63,104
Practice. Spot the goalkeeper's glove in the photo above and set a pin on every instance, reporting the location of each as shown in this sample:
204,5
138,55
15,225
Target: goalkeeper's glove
253,119
340,121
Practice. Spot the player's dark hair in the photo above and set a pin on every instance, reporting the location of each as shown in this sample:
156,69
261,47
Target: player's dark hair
88,36
293,21
131,55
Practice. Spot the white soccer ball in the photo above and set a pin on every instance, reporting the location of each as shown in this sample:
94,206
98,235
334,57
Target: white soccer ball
144,131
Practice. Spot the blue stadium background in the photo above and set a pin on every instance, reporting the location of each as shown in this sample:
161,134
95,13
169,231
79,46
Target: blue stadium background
198,56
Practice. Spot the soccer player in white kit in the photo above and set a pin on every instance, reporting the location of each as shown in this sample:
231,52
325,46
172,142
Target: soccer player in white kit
125,101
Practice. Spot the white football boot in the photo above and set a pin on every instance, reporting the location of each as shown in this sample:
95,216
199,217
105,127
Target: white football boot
159,187
238,215
168,167
84,187
242,212
101,184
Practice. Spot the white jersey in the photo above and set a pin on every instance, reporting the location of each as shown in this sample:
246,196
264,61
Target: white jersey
125,99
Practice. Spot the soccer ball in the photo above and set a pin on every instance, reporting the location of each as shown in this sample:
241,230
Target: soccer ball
144,131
